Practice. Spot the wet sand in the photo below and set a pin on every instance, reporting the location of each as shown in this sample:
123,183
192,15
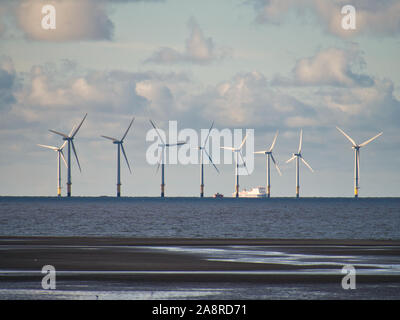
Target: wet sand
142,259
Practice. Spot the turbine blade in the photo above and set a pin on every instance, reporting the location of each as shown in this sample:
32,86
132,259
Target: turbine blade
126,158
347,136
208,135
273,142
63,146
358,163
180,143
291,159
62,156
244,140
261,152
301,141
128,129
209,157
110,138
276,165
76,156
154,126
59,133
159,160
72,130
372,139
48,147
305,162
244,163
80,125
228,148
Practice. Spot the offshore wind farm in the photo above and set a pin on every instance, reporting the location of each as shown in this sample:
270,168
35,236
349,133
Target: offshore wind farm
236,151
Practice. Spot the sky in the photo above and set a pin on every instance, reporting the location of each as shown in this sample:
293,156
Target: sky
265,65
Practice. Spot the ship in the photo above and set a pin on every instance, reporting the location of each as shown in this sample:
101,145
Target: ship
258,192
218,195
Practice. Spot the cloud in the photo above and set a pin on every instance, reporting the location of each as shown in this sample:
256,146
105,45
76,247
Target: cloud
374,104
372,17
53,91
332,67
75,19
248,100
198,50
7,83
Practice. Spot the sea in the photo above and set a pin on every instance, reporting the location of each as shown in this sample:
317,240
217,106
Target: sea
274,218
146,217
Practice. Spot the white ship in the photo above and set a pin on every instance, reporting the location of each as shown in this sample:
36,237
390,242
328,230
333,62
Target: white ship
258,192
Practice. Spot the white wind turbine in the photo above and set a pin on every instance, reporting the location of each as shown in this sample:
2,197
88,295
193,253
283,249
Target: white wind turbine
70,140
203,150
238,154
298,156
120,145
269,155
60,155
161,161
356,148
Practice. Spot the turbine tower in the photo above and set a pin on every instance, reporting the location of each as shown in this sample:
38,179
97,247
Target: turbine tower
163,146
238,154
356,148
120,146
60,155
298,156
203,150
70,140
269,155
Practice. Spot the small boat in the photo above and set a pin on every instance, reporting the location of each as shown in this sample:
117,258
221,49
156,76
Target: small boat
218,195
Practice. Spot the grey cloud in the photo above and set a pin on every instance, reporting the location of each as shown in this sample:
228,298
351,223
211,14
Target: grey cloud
7,84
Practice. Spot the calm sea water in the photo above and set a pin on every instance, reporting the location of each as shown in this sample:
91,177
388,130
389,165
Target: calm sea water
307,218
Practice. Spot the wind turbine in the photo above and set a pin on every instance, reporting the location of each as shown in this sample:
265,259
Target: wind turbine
298,156
70,140
163,146
60,155
238,153
120,145
269,155
203,150
356,148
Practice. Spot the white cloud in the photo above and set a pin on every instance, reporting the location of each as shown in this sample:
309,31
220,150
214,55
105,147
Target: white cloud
198,50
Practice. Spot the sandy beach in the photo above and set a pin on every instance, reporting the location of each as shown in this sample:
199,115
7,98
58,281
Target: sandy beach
193,260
